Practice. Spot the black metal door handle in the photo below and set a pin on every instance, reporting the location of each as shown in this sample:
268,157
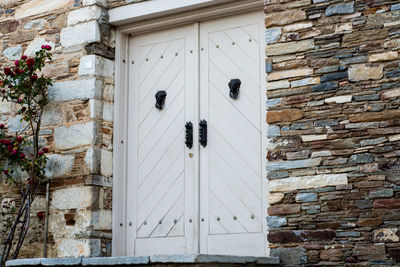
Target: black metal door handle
189,134
203,133
234,86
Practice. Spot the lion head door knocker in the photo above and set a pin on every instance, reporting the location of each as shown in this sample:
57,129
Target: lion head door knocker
234,86
160,99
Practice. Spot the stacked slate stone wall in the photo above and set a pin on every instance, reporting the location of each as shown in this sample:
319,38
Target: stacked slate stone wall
77,124
334,131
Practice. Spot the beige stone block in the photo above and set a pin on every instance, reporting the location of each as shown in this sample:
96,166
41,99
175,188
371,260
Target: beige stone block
277,85
310,138
346,27
285,17
305,82
297,26
289,48
391,55
275,198
391,93
284,115
394,138
387,235
307,182
70,247
392,44
280,75
73,198
339,99
364,72
35,7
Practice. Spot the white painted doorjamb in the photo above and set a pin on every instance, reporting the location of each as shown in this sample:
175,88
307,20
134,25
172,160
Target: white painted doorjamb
215,9
119,157
156,8
198,10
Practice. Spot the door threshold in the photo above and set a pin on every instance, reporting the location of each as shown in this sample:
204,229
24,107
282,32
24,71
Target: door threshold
145,260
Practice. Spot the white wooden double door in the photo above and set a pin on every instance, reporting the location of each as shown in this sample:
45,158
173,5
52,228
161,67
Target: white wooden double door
211,199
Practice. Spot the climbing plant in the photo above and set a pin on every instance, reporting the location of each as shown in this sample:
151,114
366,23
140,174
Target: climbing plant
22,158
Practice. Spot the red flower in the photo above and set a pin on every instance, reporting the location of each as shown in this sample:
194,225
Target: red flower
24,57
22,155
5,141
23,109
16,63
19,139
1,126
19,71
45,149
19,100
30,181
30,62
5,171
40,215
3,91
14,152
40,153
47,47
7,71
10,148
34,78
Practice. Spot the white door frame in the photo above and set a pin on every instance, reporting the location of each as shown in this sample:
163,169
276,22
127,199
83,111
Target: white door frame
149,16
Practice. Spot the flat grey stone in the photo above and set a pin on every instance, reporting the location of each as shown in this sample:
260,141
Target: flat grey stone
202,258
235,259
224,259
16,125
45,131
23,262
275,221
293,164
139,260
267,260
361,158
75,90
395,7
295,256
13,53
98,261
272,35
328,86
188,258
381,193
277,174
338,9
306,197
61,261
273,131
59,165
273,102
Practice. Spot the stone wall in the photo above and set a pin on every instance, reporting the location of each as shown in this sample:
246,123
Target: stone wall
334,131
77,125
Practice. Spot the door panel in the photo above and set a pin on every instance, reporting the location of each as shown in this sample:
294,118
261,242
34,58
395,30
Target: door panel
162,180
209,200
232,165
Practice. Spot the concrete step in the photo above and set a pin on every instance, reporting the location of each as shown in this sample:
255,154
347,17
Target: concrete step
193,260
